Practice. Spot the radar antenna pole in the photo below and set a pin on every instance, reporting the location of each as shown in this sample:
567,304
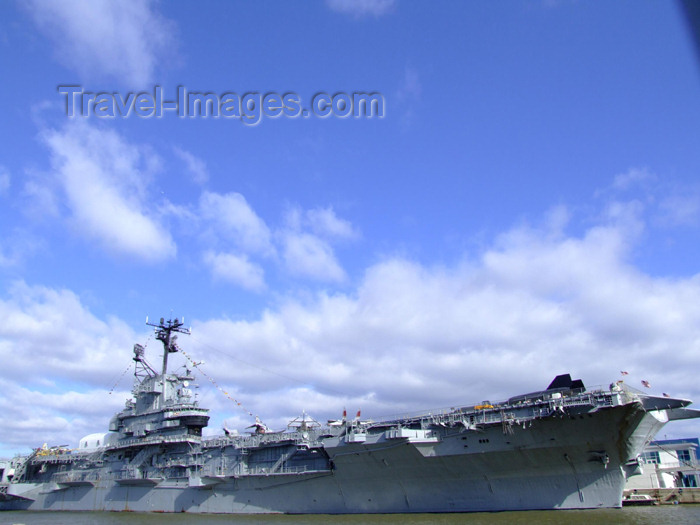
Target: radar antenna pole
164,331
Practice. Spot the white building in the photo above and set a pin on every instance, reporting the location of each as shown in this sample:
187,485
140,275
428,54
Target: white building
667,464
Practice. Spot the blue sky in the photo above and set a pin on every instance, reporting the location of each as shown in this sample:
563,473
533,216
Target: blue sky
528,205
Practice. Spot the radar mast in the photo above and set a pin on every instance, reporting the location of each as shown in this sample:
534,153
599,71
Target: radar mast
164,334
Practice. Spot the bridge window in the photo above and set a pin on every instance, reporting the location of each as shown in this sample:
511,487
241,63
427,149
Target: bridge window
651,458
683,455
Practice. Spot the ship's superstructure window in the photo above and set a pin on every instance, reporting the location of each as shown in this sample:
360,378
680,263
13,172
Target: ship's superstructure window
651,458
684,456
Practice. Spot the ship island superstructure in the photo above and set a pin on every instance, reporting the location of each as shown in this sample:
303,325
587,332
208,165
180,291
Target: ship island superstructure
561,448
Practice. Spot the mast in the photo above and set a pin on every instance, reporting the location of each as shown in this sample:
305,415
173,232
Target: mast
164,333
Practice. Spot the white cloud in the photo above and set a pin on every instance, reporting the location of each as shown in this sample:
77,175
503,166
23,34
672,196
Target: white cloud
324,221
196,166
236,269
49,339
360,8
669,203
4,180
48,333
234,219
125,41
410,87
309,256
533,304
105,183
31,417
16,246
681,209
40,198
633,177
408,95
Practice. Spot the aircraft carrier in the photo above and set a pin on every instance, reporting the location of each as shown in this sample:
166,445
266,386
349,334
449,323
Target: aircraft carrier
564,447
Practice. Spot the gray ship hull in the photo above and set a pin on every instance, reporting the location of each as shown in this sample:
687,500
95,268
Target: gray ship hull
561,462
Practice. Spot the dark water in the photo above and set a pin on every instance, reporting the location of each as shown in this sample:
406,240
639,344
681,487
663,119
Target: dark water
672,514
